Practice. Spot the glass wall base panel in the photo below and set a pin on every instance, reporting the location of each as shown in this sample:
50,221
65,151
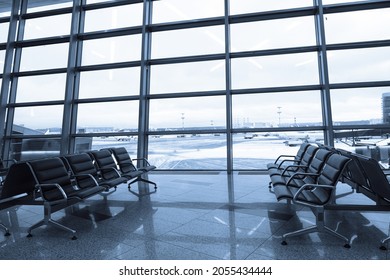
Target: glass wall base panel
191,152
35,148
85,144
255,150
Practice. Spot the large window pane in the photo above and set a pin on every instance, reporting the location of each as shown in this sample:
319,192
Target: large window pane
193,41
357,26
187,77
281,33
114,17
107,116
178,10
41,88
359,65
276,70
44,57
4,32
111,50
326,2
37,5
5,8
188,113
37,120
251,6
47,26
113,82
374,143
360,106
2,58
188,151
289,109
255,150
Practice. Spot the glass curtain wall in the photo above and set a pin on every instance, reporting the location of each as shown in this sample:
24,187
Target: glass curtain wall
194,85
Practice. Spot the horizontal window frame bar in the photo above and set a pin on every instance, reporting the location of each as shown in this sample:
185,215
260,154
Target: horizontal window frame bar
186,94
352,7
5,19
108,66
107,99
35,104
47,13
39,72
96,6
110,33
60,39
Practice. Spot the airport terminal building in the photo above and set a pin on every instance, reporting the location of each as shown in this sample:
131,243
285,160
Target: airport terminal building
209,93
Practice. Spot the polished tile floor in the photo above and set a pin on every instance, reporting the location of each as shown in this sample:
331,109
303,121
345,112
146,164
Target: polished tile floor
193,216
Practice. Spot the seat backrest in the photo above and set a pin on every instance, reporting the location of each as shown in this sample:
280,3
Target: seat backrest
123,159
302,150
318,160
19,180
308,155
105,163
332,169
376,179
82,164
51,171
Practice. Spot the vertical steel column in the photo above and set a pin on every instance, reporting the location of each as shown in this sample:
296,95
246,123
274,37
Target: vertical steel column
67,142
14,80
5,87
228,80
143,116
324,75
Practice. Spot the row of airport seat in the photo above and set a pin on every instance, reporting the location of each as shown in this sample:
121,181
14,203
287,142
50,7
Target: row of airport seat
309,178
59,182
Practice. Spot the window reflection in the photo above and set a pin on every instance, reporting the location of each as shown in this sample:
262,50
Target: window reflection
107,116
111,50
112,82
359,65
44,57
272,34
188,77
276,70
47,26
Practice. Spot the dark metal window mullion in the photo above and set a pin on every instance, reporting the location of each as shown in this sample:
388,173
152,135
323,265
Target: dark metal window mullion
324,75
16,19
68,128
143,114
